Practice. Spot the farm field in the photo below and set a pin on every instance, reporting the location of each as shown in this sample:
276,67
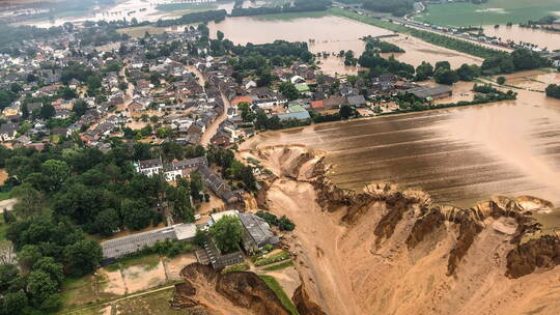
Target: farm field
493,12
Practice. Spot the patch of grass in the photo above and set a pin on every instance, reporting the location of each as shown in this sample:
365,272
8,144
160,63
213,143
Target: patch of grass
87,290
187,7
368,20
267,260
280,266
492,12
284,299
4,195
153,303
140,31
244,266
147,261
291,16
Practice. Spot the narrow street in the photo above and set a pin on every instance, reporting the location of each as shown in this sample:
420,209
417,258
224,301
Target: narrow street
213,128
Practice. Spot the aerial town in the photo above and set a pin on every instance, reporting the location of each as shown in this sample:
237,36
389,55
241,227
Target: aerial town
279,157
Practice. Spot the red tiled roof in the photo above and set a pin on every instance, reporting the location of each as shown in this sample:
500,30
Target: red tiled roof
241,99
318,104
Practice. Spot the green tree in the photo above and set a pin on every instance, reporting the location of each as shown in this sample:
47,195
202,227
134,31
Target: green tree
80,108
501,80
220,35
27,256
442,65
137,214
30,200
40,287
424,71
227,233
346,111
51,267
8,274
468,72
289,91
107,222
445,76
57,172
14,303
47,111
82,257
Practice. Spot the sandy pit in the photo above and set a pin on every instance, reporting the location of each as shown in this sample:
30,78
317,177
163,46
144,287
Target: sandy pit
349,270
139,278
175,265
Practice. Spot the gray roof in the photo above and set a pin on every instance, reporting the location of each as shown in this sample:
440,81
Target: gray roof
297,115
425,92
258,229
356,100
122,246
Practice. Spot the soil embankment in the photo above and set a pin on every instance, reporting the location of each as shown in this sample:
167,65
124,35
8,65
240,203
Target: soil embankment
206,291
382,251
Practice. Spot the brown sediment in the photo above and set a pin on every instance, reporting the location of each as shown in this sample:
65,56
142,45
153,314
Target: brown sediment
303,304
383,251
543,252
233,293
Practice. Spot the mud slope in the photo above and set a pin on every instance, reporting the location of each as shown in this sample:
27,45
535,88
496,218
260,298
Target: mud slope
382,251
206,291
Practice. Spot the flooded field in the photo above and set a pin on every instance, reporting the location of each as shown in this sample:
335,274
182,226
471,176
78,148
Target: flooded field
541,38
457,155
417,51
331,34
142,10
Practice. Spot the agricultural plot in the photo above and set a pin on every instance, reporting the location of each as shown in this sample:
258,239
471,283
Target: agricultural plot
493,12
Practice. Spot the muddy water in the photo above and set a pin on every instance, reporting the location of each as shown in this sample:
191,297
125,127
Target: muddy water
417,51
457,155
331,34
328,34
541,38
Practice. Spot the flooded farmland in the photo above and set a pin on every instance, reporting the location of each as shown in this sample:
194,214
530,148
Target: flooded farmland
458,156
331,34
541,38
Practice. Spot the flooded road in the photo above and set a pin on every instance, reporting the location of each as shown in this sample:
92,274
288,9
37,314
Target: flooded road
541,38
458,156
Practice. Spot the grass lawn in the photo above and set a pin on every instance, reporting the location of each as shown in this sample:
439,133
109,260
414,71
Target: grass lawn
5,195
84,291
153,303
368,20
291,16
493,12
147,261
275,286
140,31
279,266
170,7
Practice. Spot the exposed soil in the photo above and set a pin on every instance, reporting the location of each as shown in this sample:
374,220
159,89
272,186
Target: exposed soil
382,251
208,292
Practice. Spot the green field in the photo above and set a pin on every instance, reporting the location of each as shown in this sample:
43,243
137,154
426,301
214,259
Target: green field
275,286
186,7
493,12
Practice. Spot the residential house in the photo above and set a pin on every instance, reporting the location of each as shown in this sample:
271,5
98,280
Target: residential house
257,233
8,131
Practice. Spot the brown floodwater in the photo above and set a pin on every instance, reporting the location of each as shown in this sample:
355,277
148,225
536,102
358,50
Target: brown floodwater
332,34
459,155
541,38
417,51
